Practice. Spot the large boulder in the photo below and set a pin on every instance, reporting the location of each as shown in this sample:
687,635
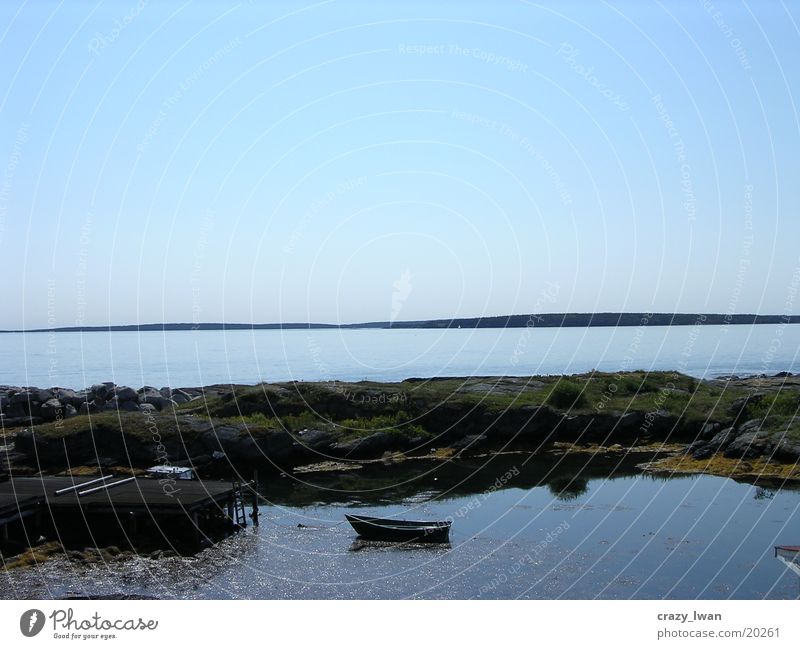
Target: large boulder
116,404
156,400
703,450
71,397
30,396
317,441
787,451
749,445
100,391
14,410
90,407
708,431
51,410
179,396
740,410
125,393
243,445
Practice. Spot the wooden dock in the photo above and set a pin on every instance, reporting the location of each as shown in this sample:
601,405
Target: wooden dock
129,501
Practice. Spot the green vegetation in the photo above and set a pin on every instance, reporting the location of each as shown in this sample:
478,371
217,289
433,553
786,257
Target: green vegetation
399,423
134,424
427,407
780,404
287,422
567,395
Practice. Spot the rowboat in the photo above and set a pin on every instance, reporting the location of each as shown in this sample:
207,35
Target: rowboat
790,556
390,529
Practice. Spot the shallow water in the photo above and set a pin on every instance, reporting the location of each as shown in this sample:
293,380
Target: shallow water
612,533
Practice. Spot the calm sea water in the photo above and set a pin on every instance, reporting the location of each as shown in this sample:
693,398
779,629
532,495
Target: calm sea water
612,533
192,358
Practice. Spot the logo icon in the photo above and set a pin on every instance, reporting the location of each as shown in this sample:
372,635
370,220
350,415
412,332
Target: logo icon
31,622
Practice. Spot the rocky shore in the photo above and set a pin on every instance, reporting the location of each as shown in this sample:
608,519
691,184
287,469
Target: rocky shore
31,406
289,425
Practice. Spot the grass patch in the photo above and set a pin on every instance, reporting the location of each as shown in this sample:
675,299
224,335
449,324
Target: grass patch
399,423
134,424
290,423
781,404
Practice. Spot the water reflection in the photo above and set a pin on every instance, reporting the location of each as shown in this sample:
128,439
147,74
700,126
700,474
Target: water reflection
570,526
567,477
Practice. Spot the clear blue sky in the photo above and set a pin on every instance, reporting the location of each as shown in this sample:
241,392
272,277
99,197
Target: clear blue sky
343,161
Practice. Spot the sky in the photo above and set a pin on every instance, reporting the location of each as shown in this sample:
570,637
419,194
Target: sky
353,161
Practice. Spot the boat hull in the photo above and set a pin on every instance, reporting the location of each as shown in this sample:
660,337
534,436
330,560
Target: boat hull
387,529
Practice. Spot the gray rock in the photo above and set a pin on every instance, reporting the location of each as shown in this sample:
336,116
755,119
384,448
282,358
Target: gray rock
716,444
124,406
750,426
147,407
14,409
51,410
127,394
370,446
156,400
179,396
740,409
29,396
70,411
69,397
98,391
749,445
787,451
40,396
722,438
315,440
88,407
708,431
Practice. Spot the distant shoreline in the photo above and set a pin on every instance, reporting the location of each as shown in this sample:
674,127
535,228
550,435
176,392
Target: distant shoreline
549,320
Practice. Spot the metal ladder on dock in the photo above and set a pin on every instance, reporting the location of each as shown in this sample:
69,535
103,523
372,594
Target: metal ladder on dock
239,512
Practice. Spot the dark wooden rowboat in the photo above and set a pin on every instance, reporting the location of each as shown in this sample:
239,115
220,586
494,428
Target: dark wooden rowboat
389,529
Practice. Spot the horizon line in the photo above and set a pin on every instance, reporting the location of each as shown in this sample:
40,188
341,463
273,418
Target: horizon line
559,319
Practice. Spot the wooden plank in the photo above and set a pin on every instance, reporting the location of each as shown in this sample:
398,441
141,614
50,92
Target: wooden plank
140,493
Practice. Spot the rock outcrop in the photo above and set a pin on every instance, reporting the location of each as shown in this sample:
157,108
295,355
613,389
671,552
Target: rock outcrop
30,406
745,441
